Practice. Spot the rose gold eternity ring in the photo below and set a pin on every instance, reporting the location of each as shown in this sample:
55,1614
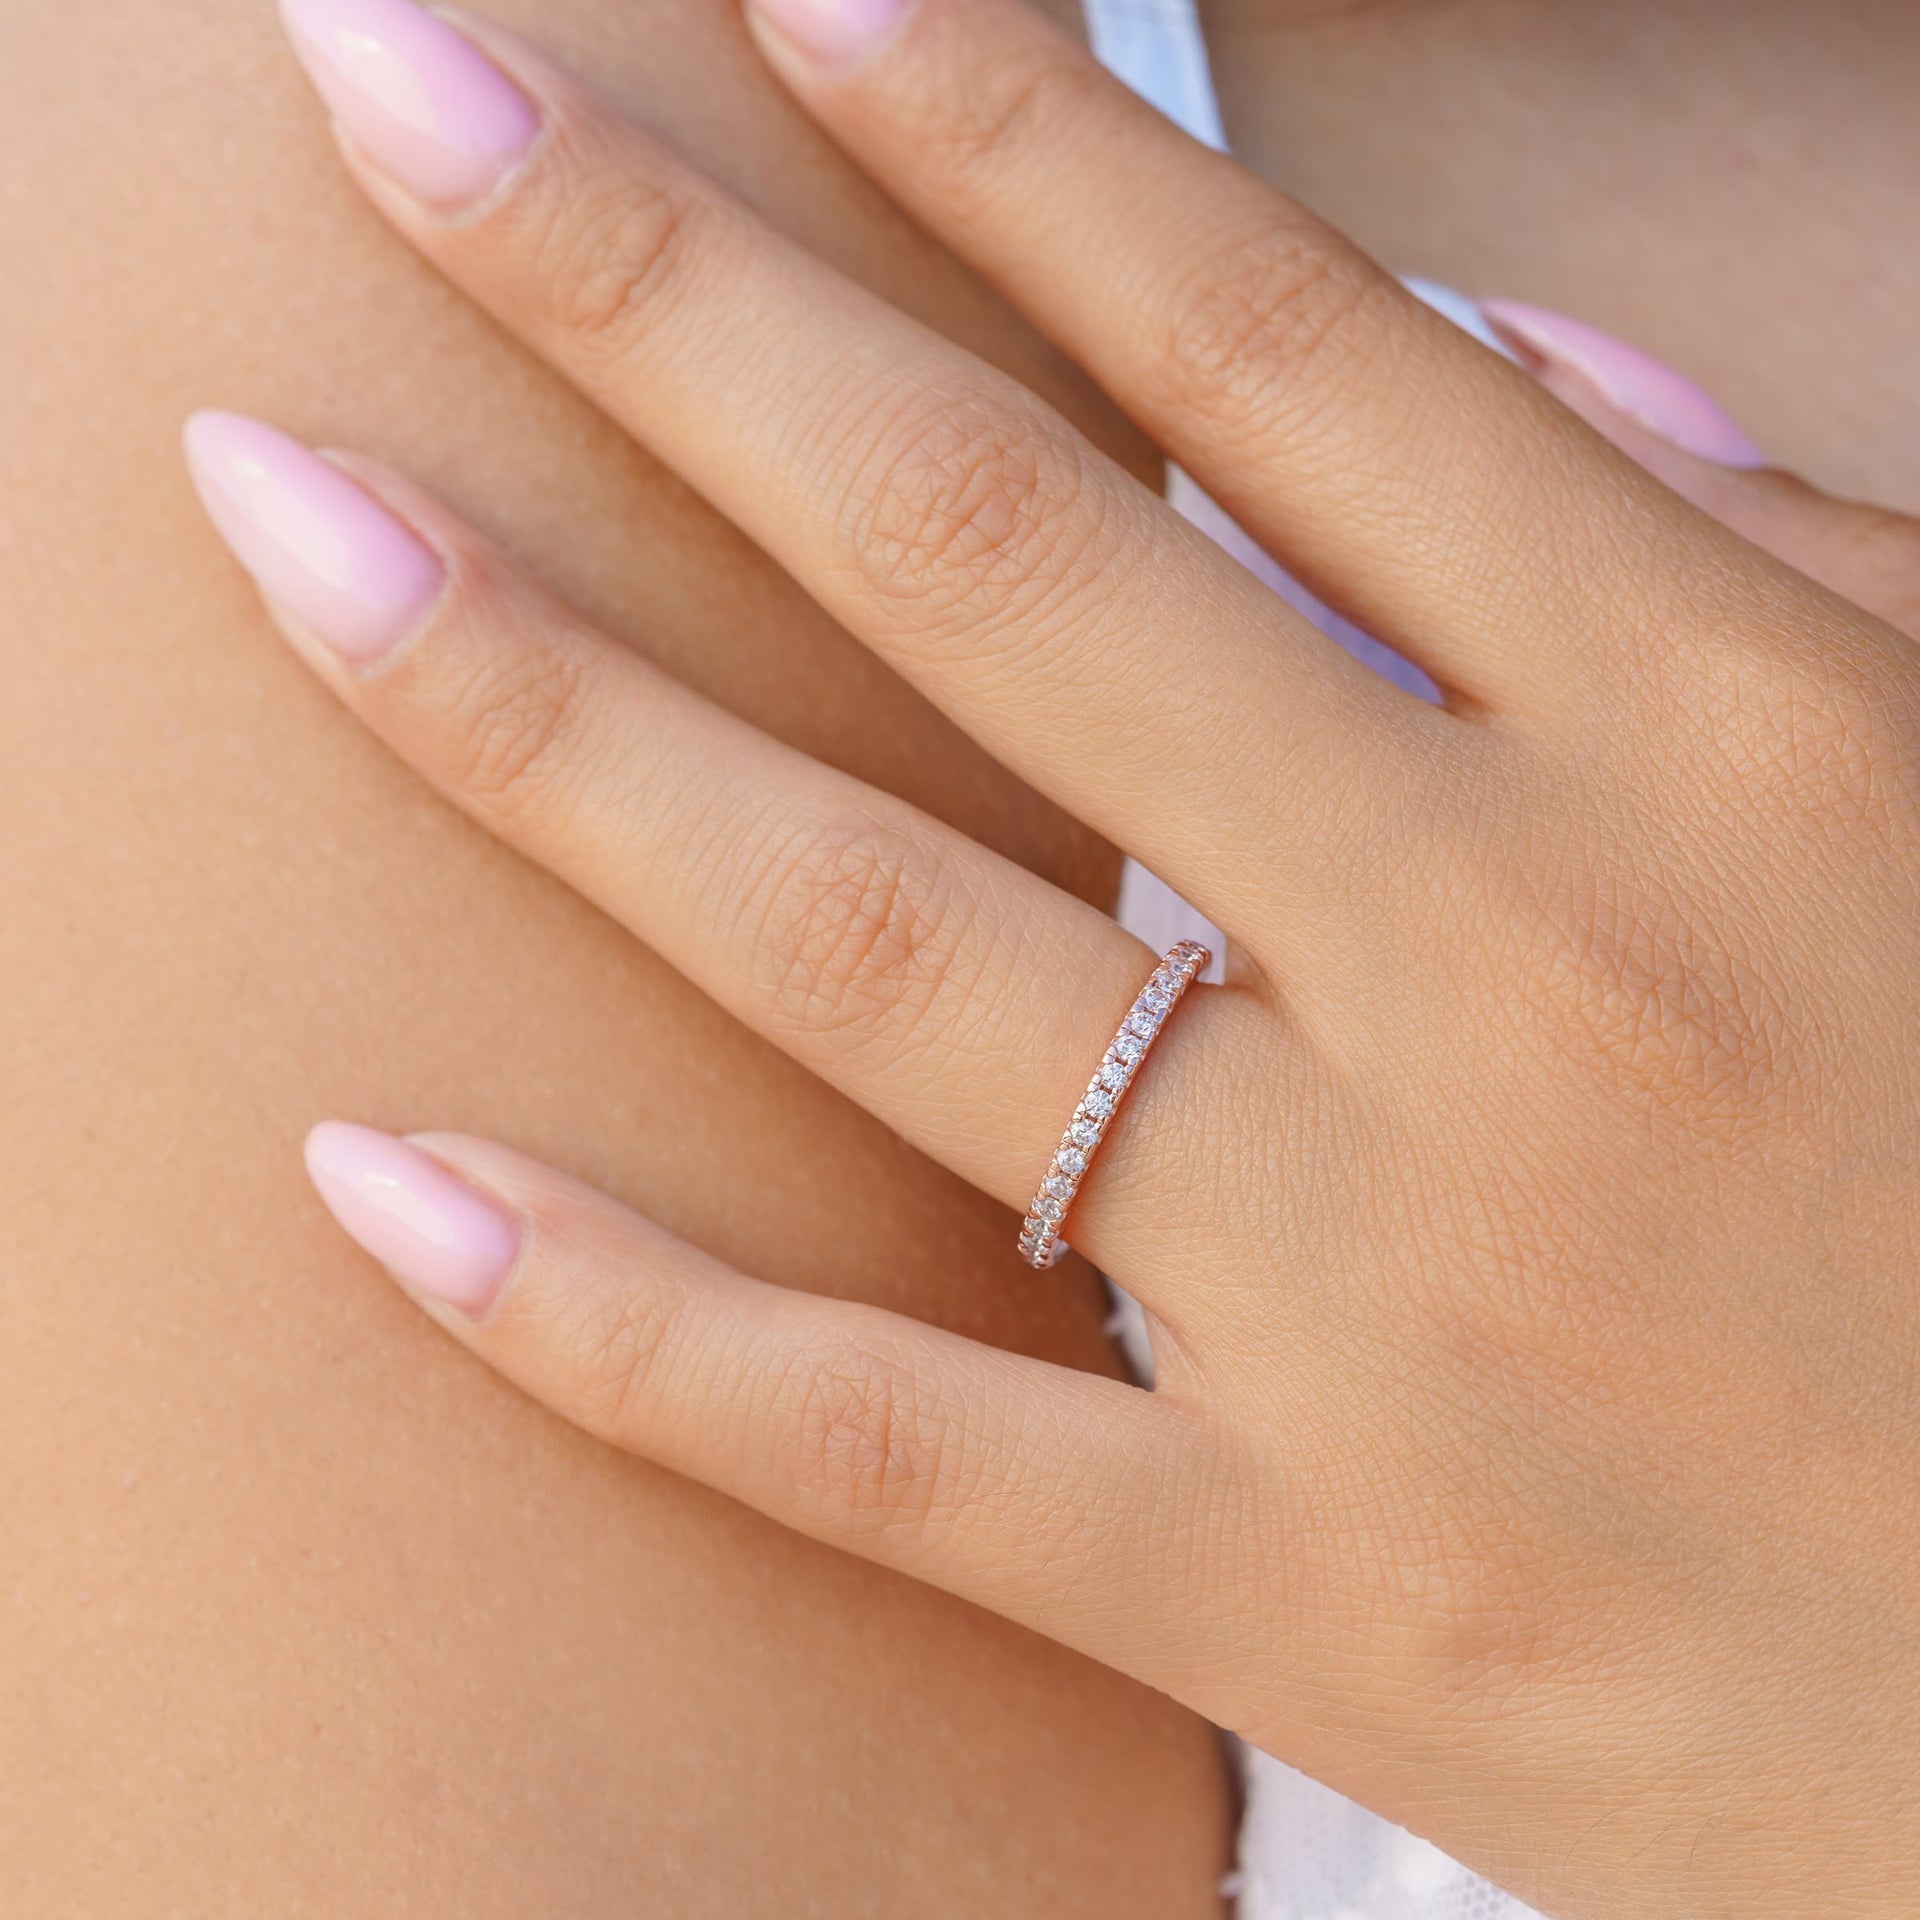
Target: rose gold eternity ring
1041,1243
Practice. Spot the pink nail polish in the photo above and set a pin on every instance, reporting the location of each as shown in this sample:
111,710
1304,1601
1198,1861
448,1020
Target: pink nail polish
432,1230
417,96
316,542
835,34
1631,382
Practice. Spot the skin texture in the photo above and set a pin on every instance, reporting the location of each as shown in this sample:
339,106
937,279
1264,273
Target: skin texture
1719,184
299,1617
303,1612
1527,1227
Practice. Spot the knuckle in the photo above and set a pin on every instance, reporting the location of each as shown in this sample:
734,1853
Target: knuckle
1484,1613
966,507
514,741
1638,987
1841,751
1812,734
867,1451
1250,322
614,1358
1483,1567
859,931
609,258
978,133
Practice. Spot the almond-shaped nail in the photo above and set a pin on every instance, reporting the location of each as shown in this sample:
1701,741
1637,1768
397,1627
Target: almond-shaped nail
418,97
316,542
434,1233
1662,400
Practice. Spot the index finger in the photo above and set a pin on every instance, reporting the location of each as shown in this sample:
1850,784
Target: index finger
1403,472
1091,639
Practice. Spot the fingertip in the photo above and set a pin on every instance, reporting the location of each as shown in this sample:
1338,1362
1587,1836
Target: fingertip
438,1234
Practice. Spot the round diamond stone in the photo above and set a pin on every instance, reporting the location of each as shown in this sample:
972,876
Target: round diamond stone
1041,1238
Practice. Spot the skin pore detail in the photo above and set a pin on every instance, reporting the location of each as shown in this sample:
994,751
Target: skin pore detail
307,1615
1515,1222
304,1612
1719,185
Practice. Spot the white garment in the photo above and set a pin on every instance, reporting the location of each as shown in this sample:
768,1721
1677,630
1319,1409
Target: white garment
1306,1853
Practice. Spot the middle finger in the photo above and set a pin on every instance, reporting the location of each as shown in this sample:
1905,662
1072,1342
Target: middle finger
939,510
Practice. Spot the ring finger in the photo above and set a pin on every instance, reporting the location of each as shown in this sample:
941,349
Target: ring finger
958,997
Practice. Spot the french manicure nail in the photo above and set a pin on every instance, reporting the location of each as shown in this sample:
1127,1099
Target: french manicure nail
316,542
430,1229
416,94
1631,382
833,33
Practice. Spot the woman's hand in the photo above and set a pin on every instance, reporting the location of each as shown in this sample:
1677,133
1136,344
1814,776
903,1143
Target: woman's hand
1528,1228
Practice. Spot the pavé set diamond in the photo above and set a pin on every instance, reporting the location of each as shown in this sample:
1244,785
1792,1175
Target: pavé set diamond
1041,1243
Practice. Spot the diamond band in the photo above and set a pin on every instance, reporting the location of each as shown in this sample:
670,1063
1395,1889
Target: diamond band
1040,1236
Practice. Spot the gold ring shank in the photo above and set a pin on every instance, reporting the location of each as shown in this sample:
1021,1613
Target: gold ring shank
1041,1241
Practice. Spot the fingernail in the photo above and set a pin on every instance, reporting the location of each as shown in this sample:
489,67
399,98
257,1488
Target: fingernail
317,543
431,1230
417,96
833,33
1629,381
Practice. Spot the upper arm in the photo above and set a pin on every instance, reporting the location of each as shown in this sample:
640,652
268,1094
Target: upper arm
303,1611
